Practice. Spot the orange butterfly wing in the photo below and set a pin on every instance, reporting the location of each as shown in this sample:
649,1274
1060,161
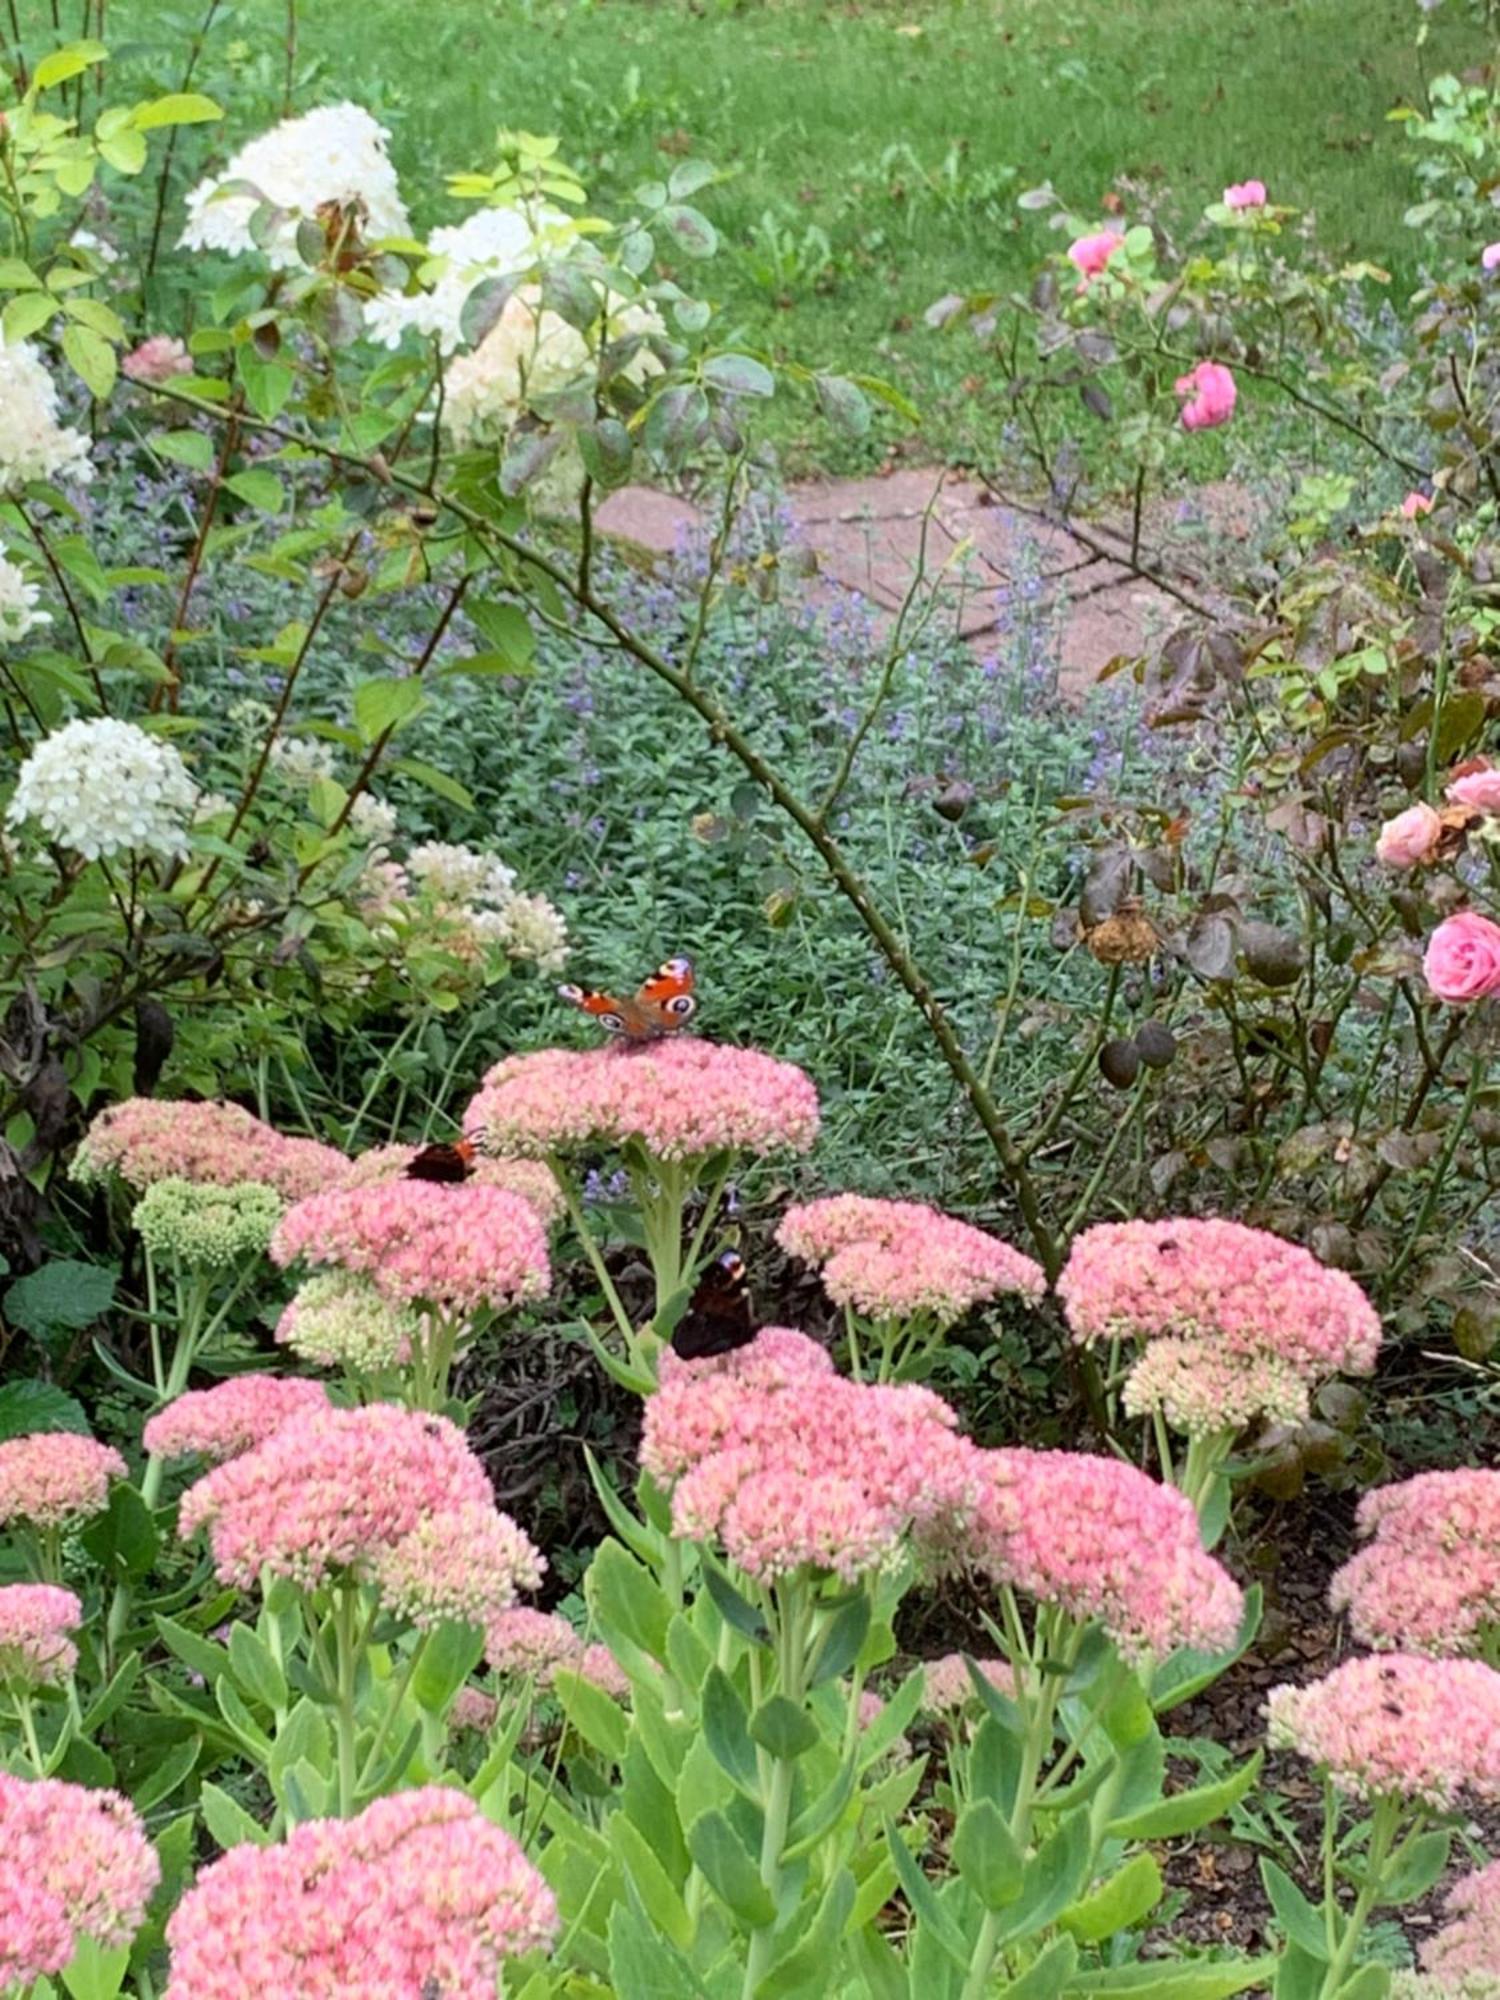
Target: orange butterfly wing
664,1004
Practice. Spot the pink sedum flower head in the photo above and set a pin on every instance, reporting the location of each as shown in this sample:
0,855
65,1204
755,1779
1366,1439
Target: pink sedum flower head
598,1665
1245,194
463,1564
1410,839
530,1643
1489,257
1399,1724
1429,1579
1416,504
949,1686
473,1709
37,1621
1199,1389
1209,395
337,1319
55,1478
1467,1948
1090,254
897,1259
74,1863
330,1493
158,359
1478,788
788,1465
533,1180
417,1895
148,1139
221,1422
1462,961
1240,1290
461,1250
1107,1544
678,1100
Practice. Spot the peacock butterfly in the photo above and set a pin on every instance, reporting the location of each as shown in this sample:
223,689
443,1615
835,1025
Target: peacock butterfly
449,1161
664,1005
718,1317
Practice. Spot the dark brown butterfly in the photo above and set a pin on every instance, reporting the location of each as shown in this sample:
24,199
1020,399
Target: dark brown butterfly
718,1318
663,1005
449,1161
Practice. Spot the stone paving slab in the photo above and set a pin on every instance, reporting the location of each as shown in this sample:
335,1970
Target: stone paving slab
874,535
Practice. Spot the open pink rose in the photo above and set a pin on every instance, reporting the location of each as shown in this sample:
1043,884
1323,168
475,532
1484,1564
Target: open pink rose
157,359
1489,256
1245,194
1415,503
1410,838
1211,395
1089,254
1479,790
1462,961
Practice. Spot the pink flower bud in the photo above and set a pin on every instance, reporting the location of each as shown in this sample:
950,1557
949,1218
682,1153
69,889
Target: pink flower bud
1210,394
1478,789
157,360
1416,503
1089,254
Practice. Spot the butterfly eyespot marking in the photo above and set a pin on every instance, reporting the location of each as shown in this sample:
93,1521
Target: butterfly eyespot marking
571,993
682,1005
614,1022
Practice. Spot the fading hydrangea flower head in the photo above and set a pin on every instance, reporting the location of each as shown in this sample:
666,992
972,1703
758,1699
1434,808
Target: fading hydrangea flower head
102,787
462,1249
532,352
1429,1579
33,445
789,1465
74,1863
1106,1544
460,874
37,1621
213,1228
491,243
55,1478
898,1259
678,1100
1397,1725
334,155
416,1895
234,1416
148,1139
19,598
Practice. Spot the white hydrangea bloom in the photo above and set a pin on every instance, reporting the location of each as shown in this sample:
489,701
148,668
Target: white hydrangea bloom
492,243
373,819
33,445
460,874
529,352
301,759
18,602
85,239
532,928
105,787
335,154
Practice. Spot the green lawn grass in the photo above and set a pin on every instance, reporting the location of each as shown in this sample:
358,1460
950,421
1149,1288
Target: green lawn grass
875,152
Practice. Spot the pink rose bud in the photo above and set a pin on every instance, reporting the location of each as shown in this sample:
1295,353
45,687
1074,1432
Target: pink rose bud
1478,789
1410,838
157,360
1089,254
1210,394
1462,961
1489,256
1416,503
1245,194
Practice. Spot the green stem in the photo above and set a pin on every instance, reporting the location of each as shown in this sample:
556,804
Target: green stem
27,1720
595,1256
393,1709
345,1613
791,1615
983,1957
1383,1823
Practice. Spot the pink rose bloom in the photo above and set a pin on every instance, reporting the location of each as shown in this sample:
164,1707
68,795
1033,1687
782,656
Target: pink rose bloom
157,360
1245,194
1489,256
1479,790
1462,962
1089,254
1415,503
1410,838
1210,394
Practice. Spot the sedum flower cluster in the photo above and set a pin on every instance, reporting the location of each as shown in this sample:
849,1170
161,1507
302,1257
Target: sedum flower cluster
148,1139
948,1686
37,1621
678,1100
898,1259
234,1416
337,1319
1429,1579
1254,1321
1463,1957
1398,1724
74,1863
533,1180
334,157
54,1479
418,1894
33,445
535,1644
210,1228
105,787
